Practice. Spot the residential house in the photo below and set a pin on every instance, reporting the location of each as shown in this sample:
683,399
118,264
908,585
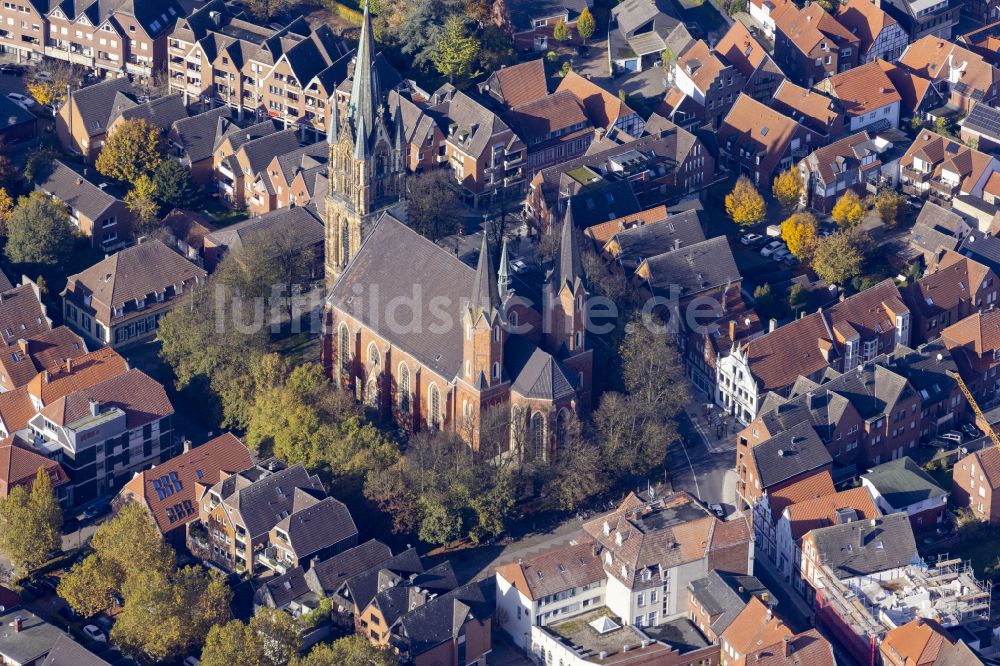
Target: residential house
954,288
299,228
102,433
602,233
554,129
859,162
763,12
18,123
706,78
96,207
771,505
937,229
921,19
300,590
532,22
867,96
25,638
187,230
517,84
549,588
881,36
19,465
983,40
604,110
716,600
423,137
450,378
981,127
483,150
706,344
974,343
161,112
237,173
67,652
802,517
759,141
652,547
744,51
777,462
755,626
82,122
171,491
640,31
937,166
924,642
289,179
818,112
649,171
218,56
902,485
918,94
638,242
810,45
975,483
808,647
842,336
115,39
270,517
121,299
878,548
962,78
192,139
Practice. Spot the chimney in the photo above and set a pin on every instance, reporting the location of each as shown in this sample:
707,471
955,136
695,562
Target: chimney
789,647
732,329
95,408
18,624
69,365
773,324
677,243
23,345
45,376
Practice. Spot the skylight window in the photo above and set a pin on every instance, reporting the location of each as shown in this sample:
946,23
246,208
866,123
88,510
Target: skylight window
764,131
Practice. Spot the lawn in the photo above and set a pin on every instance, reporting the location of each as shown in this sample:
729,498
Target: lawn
221,214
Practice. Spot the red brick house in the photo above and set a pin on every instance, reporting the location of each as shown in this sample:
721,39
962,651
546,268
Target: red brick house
974,343
810,45
954,288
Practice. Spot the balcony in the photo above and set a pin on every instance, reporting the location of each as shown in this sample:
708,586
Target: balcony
513,161
914,175
269,558
942,188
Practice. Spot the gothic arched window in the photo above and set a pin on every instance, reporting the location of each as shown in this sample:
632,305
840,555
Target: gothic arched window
537,437
371,393
345,348
434,407
404,388
374,358
345,242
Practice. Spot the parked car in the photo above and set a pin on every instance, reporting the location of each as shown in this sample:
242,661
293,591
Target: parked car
952,436
94,633
518,266
191,661
790,259
67,613
771,248
971,431
35,588
49,582
751,239
21,100
11,69
43,76
96,509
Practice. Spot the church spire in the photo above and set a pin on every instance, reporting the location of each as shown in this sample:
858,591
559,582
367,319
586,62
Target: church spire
503,275
569,266
365,92
361,140
485,297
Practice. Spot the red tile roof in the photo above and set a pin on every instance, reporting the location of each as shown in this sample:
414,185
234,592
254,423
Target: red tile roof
806,649
556,570
19,464
822,511
862,89
771,131
603,108
605,231
204,465
810,487
141,397
865,19
754,628
16,409
87,370
522,83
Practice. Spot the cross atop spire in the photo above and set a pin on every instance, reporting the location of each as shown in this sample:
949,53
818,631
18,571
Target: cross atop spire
569,266
485,297
365,90
503,275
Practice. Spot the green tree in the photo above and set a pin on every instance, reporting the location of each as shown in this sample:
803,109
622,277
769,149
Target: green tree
266,10
456,51
131,542
354,650
560,32
419,28
431,202
89,586
586,25
848,211
38,165
6,208
838,258
787,188
167,613
29,523
271,638
141,201
799,298
439,524
744,204
944,126
889,205
39,231
765,303
174,187
133,149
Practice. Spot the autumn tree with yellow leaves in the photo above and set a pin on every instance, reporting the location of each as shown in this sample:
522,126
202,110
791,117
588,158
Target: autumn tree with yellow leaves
744,205
800,233
787,188
848,211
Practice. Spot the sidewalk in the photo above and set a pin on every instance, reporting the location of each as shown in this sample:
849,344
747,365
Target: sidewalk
793,608
716,429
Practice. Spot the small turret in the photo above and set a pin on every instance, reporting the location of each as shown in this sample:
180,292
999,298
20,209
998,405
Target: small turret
503,274
485,297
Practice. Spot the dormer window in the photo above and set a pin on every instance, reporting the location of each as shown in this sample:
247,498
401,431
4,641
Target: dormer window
160,295
140,303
